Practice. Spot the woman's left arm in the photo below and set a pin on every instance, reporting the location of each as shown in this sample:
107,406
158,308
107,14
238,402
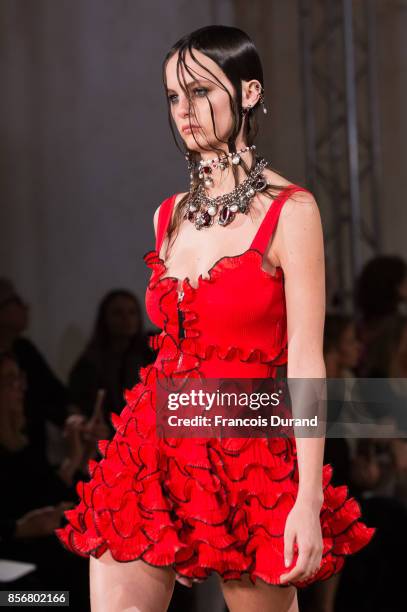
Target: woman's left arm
301,254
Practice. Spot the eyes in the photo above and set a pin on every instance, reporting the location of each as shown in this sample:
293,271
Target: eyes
199,92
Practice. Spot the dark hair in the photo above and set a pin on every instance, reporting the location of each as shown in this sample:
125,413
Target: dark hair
376,291
235,53
334,327
100,339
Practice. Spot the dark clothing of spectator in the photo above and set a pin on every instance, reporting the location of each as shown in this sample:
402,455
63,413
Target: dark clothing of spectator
108,370
29,483
46,398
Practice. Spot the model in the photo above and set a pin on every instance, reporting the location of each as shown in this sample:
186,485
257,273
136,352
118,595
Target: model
237,288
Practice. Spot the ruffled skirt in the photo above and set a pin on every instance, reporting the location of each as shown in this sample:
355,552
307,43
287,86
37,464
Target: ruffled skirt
201,505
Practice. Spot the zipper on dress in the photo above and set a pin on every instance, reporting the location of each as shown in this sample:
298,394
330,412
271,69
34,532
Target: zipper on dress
181,331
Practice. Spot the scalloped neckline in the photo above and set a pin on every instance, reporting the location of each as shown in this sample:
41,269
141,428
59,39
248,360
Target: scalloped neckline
201,279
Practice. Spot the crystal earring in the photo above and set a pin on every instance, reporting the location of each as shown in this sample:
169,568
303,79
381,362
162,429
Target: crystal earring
261,100
261,97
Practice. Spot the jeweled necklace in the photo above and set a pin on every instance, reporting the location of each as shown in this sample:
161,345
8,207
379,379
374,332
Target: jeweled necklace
205,165
202,210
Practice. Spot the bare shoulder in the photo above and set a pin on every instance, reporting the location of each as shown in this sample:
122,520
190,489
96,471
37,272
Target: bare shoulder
276,181
157,210
180,196
301,201
299,228
299,206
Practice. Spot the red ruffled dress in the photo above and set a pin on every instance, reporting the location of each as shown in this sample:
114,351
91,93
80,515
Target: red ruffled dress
203,505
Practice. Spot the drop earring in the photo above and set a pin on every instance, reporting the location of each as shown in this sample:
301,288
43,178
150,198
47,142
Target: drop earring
246,110
261,98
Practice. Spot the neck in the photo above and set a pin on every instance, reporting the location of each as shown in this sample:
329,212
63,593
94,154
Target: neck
223,180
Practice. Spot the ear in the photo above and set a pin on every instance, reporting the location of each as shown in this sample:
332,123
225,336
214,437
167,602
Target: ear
251,91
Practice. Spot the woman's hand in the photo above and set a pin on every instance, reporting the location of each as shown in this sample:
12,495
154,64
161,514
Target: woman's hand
41,521
94,429
303,529
73,436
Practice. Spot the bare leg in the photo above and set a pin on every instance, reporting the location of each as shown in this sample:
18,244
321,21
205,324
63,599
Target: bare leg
133,586
243,596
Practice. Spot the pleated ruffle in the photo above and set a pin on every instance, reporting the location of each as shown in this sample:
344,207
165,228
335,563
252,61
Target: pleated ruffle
200,505
274,349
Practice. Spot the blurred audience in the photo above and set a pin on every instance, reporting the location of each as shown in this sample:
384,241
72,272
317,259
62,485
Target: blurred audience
342,348
380,292
387,356
46,397
113,356
360,464
35,495
387,359
341,354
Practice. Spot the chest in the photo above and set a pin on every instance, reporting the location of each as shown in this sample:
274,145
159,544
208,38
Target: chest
237,294
195,254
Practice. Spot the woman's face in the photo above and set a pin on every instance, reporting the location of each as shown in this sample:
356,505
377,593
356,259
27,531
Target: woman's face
199,115
122,317
349,348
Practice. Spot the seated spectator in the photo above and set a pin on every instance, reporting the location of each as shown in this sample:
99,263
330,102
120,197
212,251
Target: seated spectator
35,495
357,463
113,356
341,355
46,397
380,293
387,359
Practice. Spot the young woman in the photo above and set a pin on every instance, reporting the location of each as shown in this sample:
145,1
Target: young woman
117,349
236,296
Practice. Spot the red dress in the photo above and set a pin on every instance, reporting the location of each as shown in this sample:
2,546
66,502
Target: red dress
203,505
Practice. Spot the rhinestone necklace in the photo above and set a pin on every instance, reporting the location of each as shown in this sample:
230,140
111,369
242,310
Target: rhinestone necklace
205,165
202,210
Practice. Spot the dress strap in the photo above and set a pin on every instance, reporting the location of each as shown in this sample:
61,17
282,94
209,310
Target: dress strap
268,225
164,217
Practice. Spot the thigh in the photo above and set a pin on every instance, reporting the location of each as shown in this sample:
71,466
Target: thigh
243,595
134,586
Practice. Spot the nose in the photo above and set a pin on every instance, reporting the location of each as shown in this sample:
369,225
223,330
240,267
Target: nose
183,109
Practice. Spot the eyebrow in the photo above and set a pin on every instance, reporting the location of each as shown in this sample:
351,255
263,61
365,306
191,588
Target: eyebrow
191,83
